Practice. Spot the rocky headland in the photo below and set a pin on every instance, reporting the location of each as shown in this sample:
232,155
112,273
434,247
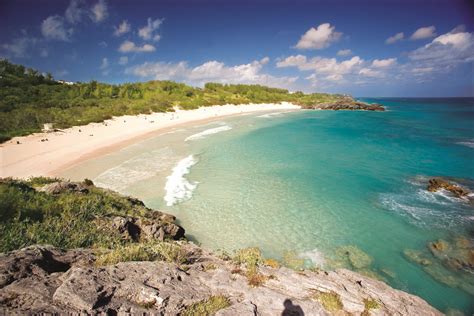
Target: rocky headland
113,255
345,103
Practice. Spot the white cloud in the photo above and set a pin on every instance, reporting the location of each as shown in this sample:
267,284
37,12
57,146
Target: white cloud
395,38
370,73
330,68
123,60
75,11
99,11
424,32
344,52
446,50
123,28
211,71
53,28
105,63
318,38
147,32
384,63
103,44
20,47
130,47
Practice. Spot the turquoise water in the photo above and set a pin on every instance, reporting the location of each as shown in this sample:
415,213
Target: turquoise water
314,181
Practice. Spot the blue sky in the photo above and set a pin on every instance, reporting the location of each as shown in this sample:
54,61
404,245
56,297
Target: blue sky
365,48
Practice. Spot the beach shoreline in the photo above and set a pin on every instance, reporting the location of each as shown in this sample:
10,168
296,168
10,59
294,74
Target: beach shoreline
49,154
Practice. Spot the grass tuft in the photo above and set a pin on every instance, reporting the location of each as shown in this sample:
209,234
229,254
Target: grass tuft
149,251
331,301
369,304
208,306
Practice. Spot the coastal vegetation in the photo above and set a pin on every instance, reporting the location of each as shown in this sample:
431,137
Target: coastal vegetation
29,99
70,215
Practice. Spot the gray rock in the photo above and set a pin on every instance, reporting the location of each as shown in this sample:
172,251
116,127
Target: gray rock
34,283
65,186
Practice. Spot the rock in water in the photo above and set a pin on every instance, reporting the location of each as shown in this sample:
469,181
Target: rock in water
437,184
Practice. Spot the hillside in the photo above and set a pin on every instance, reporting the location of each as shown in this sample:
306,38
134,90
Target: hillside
28,99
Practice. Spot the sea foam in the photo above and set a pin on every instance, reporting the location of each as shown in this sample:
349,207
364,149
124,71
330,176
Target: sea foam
207,132
469,143
268,115
177,187
315,256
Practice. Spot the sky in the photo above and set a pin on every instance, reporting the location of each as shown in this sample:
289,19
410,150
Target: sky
376,48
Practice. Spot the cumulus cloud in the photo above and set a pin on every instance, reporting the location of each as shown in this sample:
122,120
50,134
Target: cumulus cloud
148,31
319,38
370,73
123,60
423,32
445,51
131,47
384,63
123,28
211,71
395,38
75,11
329,68
99,11
54,28
344,52
19,47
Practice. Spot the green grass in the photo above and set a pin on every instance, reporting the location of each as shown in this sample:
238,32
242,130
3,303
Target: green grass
207,307
331,301
66,220
368,305
150,251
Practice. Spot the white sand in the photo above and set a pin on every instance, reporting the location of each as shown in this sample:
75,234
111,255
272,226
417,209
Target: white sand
32,157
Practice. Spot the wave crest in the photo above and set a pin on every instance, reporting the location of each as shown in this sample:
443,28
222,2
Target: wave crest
177,187
207,132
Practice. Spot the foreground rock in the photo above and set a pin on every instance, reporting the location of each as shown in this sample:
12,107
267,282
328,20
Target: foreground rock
346,103
43,279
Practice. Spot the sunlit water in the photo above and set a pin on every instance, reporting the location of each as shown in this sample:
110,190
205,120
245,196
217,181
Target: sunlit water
313,181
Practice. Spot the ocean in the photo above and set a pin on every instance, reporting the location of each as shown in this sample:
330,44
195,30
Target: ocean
324,189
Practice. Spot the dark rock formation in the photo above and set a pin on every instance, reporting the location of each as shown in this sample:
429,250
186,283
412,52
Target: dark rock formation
45,280
437,184
346,103
156,225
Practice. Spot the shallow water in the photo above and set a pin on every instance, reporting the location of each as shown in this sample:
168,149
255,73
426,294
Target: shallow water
313,181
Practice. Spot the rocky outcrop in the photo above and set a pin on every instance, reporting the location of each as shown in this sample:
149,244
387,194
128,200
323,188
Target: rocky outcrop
65,187
436,184
156,226
42,279
346,103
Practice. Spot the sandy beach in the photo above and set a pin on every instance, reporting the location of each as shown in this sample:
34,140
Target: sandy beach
63,149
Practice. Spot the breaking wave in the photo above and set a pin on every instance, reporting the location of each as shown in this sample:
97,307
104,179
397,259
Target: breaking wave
207,132
177,187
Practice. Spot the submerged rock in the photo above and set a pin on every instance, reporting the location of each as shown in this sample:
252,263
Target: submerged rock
450,262
357,258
